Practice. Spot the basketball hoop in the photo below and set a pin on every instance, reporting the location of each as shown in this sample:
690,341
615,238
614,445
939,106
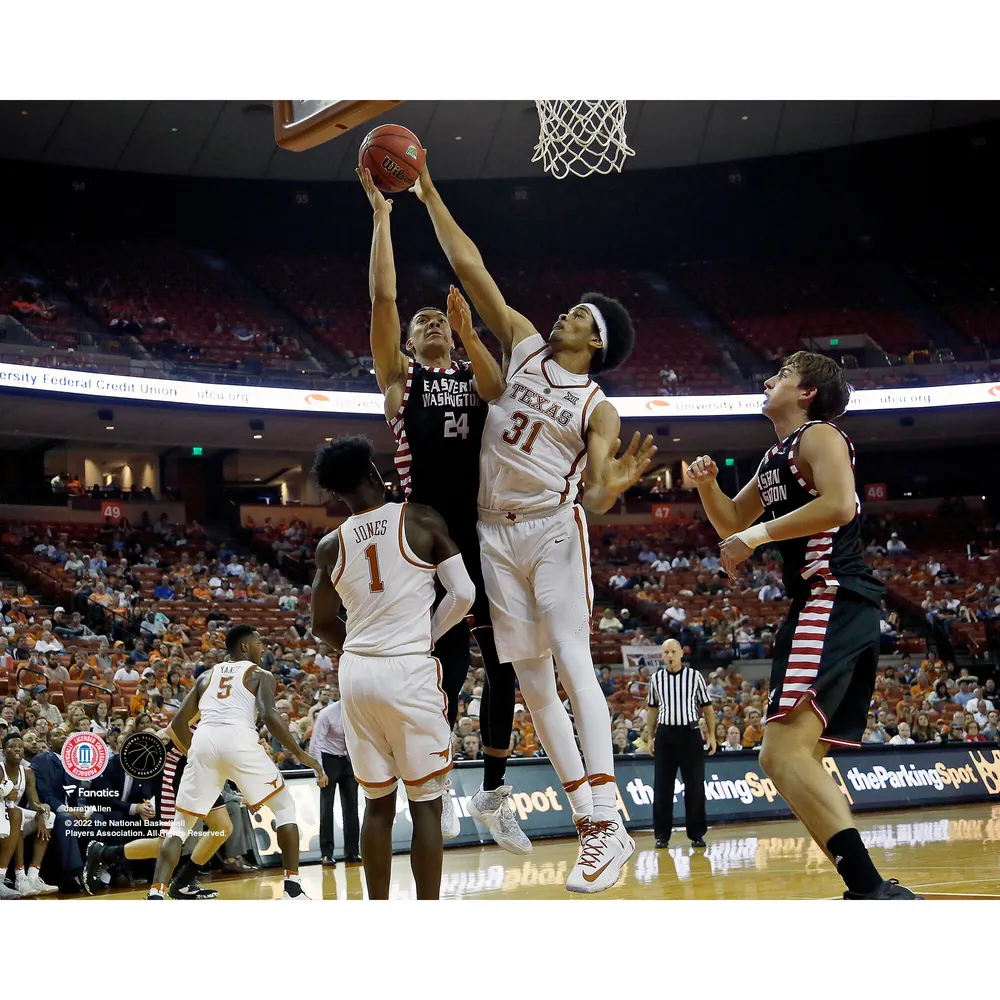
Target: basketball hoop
581,137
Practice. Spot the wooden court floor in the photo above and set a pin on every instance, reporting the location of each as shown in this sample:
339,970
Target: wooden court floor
947,852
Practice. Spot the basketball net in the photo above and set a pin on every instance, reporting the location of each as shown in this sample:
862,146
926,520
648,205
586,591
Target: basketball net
581,137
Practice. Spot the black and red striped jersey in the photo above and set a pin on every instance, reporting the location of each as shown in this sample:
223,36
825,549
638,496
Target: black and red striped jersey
834,558
439,430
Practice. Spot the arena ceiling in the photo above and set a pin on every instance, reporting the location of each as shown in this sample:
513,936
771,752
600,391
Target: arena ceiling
236,138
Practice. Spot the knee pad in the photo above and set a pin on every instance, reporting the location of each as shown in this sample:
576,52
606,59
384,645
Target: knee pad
379,792
283,807
426,791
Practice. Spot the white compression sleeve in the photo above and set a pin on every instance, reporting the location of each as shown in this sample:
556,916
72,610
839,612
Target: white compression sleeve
460,592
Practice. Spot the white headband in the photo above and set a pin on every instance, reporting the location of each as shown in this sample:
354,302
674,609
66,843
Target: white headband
602,327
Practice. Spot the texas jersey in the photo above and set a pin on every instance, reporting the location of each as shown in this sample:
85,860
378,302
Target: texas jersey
834,557
387,591
535,442
227,701
438,430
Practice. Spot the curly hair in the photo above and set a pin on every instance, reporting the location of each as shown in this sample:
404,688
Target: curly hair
342,465
621,333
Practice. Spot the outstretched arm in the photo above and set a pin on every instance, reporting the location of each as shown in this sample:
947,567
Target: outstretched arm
825,461
608,477
326,621
489,380
390,361
509,326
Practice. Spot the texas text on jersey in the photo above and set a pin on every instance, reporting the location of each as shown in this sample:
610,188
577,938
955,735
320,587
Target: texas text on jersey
535,443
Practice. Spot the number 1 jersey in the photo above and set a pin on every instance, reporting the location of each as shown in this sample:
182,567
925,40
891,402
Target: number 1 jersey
438,429
387,591
535,443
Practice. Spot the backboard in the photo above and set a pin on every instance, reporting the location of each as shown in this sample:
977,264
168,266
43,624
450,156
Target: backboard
300,125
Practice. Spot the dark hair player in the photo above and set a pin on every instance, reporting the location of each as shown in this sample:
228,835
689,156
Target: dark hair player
437,408
826,654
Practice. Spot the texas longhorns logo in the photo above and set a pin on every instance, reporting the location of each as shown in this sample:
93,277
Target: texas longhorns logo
443,754
274,784
989,770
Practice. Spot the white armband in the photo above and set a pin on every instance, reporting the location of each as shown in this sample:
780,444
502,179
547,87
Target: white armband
753,536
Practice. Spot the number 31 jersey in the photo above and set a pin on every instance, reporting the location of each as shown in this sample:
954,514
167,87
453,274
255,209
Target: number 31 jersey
535,442
438,430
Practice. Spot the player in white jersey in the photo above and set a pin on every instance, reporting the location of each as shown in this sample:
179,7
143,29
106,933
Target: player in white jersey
34,816
230,698
550,429
380,565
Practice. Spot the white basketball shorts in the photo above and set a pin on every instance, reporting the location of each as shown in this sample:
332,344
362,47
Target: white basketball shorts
537,575
396,724
221,753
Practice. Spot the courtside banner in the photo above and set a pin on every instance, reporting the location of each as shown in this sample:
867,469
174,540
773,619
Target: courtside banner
634,657
125,387
736,790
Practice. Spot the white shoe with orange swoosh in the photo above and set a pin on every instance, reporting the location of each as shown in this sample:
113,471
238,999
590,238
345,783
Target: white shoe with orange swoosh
605,846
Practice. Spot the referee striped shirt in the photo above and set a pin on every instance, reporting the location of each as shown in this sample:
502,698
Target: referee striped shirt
678,696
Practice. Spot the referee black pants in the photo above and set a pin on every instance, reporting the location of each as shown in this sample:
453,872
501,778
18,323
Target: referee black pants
679,747
341,775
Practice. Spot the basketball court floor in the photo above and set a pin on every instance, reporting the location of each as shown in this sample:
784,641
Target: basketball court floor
947,853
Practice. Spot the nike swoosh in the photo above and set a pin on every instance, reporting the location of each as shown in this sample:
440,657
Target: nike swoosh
597,874
558,540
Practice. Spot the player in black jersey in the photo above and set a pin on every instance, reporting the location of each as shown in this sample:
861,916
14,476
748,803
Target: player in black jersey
826,654
436,408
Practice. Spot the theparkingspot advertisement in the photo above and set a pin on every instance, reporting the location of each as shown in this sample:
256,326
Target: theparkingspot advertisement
130,388
736,790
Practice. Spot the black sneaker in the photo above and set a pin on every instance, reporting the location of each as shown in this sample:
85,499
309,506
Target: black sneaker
191,891
661,843
92,867
700,842
890,889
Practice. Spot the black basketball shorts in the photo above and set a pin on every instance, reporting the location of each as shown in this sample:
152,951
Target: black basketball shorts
827,652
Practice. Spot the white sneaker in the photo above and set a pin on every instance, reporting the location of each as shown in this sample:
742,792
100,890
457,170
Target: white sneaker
8,893
605,846
43,887
24,885
492,809
451,823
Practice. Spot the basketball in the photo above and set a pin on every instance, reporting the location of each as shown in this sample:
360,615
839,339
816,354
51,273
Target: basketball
394,156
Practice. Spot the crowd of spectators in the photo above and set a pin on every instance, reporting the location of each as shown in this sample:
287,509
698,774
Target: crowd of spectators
109,625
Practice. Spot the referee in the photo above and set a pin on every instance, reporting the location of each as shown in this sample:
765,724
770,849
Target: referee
677,693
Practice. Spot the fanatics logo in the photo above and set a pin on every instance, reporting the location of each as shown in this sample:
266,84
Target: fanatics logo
570,398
